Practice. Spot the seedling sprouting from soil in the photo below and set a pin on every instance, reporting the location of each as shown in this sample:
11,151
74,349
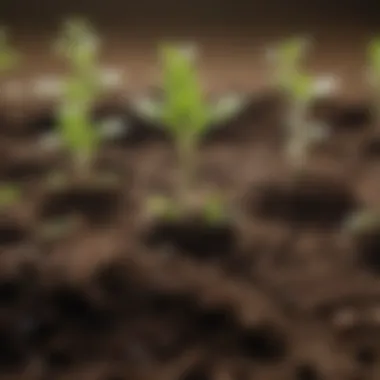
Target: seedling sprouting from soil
8,56
186,114
301,89
79,46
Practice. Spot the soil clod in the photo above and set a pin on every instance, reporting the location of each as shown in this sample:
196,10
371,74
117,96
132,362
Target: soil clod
371,150
59,359
12,353
194,238
368,248
366,356
306,372
264,344
12,234
11,291
354,118
306,203
96,205
197,372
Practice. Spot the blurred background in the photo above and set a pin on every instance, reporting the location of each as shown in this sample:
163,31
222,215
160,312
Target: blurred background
232,34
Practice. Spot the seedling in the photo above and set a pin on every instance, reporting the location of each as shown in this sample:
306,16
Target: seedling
187,116
79,46
374,73
8,56
301,89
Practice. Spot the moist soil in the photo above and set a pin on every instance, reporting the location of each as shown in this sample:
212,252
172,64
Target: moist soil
93,288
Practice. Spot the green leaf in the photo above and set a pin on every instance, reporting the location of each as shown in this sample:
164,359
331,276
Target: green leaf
226,107
162,207
287,58
302,87
293,51
214,210
374,60
184,109
112,128
149,109
9,194
81,88
77,131
374,53
79,45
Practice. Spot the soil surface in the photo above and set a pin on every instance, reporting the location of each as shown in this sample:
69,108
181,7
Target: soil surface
90,288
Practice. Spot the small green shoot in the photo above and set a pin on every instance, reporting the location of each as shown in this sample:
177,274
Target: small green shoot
8,56
301,89
79,46
374,73
287,59
187,116
9,195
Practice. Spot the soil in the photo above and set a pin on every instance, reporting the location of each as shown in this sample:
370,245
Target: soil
91,289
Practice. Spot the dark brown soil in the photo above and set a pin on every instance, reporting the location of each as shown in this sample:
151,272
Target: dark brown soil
91,289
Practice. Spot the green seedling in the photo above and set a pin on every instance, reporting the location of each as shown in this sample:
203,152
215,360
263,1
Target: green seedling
301,89
187,116
287,59
79,46
374,73
9,195
8,56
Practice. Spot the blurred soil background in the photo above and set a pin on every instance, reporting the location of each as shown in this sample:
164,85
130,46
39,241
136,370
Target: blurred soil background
232,34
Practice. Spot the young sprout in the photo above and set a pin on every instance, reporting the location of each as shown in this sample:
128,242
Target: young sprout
287,59
374,72
79,46
301,89
185,113
8,56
